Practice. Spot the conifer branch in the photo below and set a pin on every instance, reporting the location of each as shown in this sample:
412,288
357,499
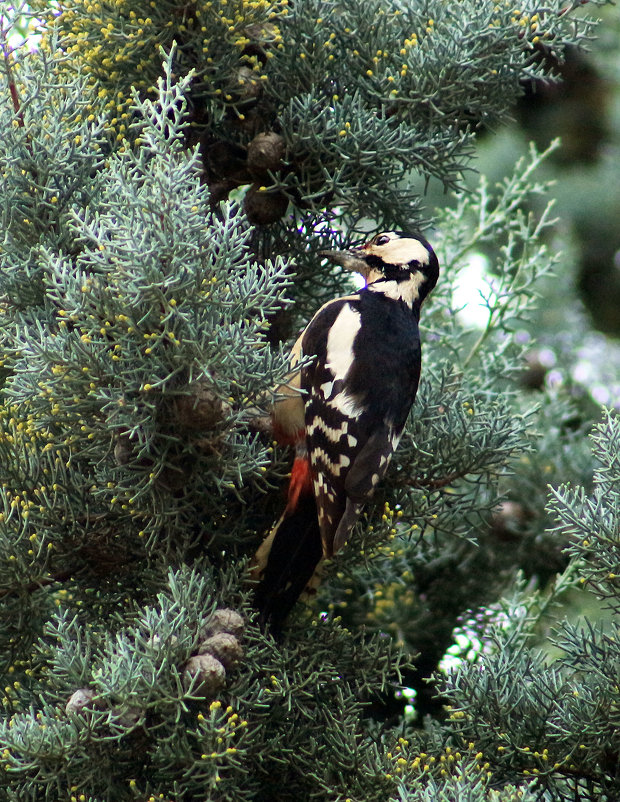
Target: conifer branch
39,584
169,177
7,52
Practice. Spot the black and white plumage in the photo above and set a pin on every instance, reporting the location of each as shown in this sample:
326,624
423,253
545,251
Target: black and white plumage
346,409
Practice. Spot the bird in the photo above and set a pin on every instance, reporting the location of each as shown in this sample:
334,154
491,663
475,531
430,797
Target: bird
356,368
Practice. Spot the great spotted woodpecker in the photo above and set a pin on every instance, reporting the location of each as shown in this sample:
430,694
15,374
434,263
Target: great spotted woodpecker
344,410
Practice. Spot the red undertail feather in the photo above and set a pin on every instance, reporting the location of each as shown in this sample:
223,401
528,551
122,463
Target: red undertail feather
286,562
301,482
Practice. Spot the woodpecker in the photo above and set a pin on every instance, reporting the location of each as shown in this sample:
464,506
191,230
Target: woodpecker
344,411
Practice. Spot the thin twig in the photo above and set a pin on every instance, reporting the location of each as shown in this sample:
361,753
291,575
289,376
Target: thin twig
39,584
6,54
435,484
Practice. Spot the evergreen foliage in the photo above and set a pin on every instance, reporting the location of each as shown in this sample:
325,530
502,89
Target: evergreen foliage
160,224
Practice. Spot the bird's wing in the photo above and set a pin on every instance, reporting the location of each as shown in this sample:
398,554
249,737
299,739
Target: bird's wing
335,427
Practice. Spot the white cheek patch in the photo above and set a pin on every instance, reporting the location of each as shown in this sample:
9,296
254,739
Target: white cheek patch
340,341
410,289
407,291
401,251
388,288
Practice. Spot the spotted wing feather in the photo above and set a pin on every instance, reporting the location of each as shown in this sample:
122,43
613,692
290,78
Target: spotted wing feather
331,414
356,404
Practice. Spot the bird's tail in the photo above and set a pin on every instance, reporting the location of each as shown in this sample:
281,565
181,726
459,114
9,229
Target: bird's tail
286,562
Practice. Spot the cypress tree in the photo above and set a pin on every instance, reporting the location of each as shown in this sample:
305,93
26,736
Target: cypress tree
170,172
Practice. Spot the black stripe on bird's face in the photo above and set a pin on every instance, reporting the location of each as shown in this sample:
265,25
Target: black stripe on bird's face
393,256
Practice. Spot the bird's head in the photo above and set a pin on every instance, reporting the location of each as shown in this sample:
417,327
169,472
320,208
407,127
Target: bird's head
392,256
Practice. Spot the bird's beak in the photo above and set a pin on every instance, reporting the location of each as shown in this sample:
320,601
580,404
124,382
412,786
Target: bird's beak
353,260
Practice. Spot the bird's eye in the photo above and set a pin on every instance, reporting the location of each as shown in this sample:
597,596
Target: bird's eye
382,240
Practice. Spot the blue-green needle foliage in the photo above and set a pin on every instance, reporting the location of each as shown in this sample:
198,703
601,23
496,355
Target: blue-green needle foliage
125,338
368,98
141,307
556,720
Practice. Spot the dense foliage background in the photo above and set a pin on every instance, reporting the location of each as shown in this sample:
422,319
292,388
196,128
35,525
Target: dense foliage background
170,172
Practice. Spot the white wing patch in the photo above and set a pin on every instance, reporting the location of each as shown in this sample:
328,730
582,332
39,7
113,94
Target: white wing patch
347,405
327,388
340,341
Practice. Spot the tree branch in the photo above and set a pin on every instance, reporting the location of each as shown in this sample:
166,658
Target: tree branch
39,584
